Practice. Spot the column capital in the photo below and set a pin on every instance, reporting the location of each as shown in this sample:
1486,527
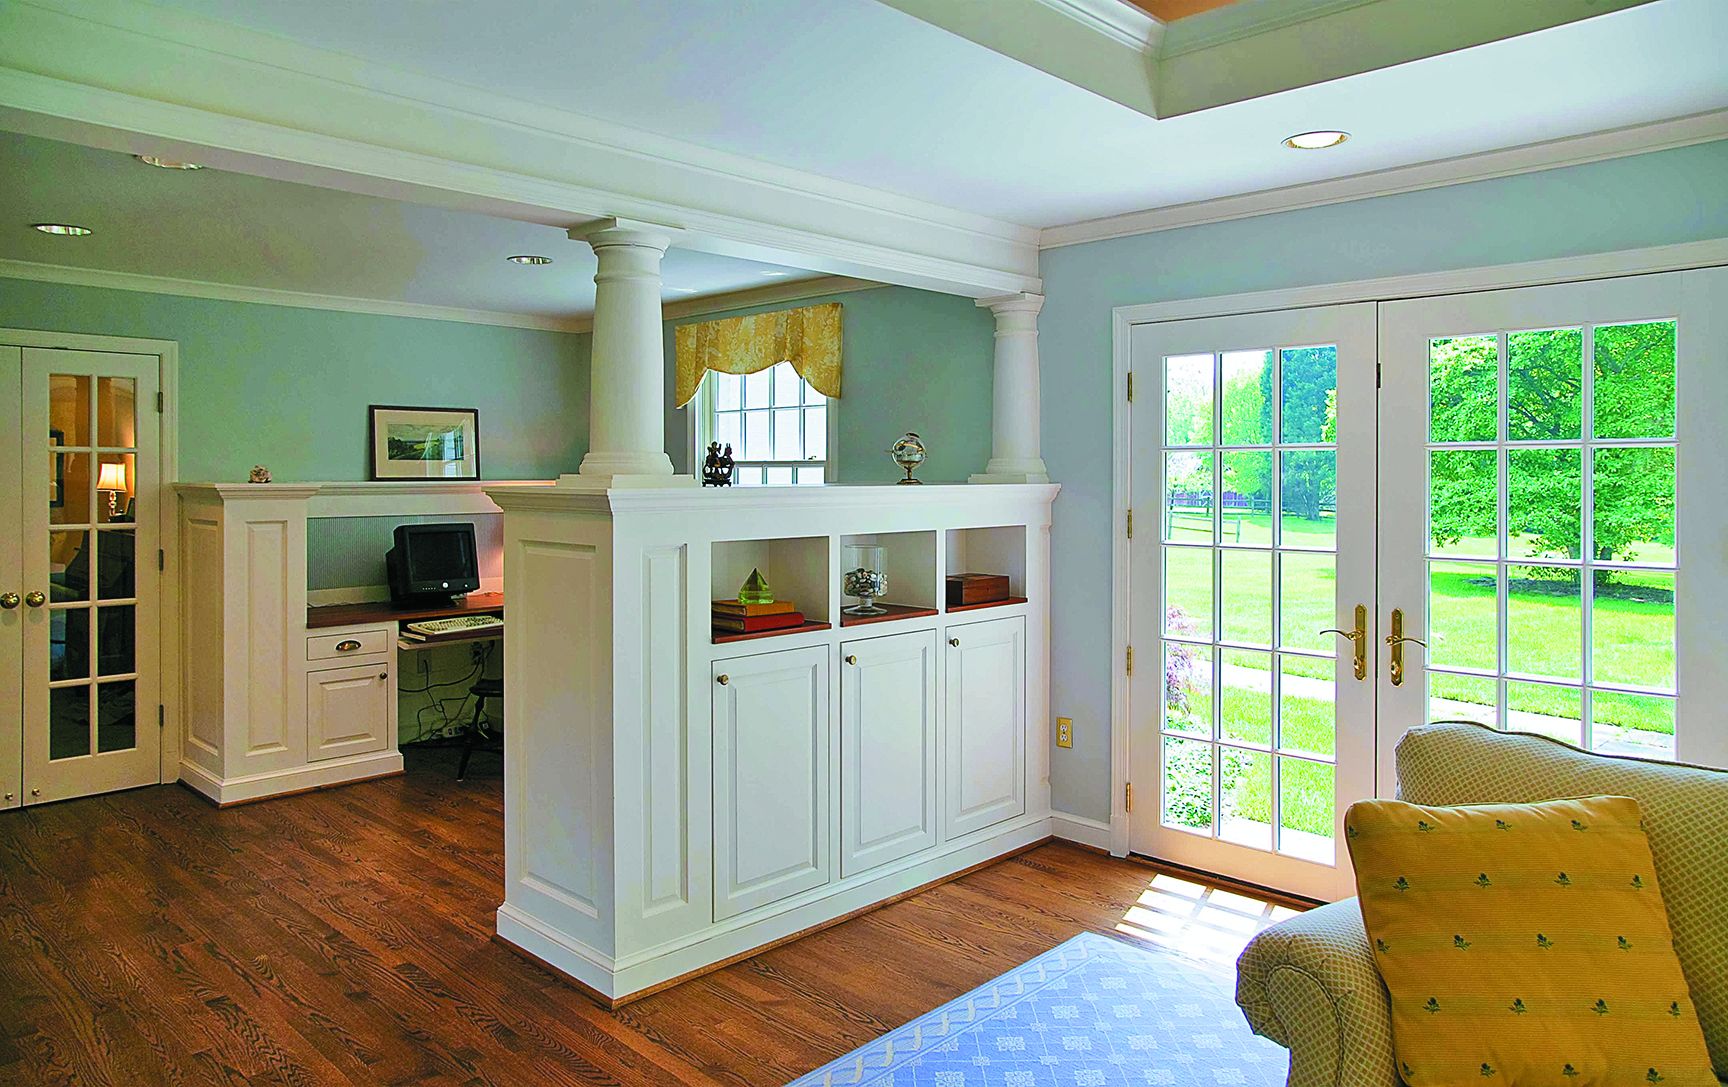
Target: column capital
605,233
1021,302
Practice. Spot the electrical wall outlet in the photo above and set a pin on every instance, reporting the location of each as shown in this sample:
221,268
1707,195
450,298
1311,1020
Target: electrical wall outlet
1064,732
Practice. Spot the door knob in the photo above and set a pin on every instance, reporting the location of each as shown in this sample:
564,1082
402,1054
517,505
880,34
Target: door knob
1396,641
1358,639
35,599
723,679
9,600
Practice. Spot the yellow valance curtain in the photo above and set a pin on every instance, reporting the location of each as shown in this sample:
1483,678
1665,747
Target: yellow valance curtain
808,338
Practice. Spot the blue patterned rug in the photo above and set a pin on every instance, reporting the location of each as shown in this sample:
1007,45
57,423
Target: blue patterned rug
1092,1012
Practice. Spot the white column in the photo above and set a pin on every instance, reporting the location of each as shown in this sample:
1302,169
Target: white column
627,379
1014,405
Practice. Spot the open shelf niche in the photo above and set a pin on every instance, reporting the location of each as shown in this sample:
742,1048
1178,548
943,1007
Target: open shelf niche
796,569
909,559
988,551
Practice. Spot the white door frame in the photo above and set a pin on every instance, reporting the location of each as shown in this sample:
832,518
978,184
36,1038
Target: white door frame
1667,258
167,353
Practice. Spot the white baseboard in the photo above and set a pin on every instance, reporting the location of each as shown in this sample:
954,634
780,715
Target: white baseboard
1081,830
296,780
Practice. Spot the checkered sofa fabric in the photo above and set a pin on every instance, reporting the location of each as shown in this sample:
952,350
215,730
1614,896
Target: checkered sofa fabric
1310,983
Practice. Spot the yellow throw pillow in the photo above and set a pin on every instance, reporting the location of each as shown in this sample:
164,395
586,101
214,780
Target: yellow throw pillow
1524,944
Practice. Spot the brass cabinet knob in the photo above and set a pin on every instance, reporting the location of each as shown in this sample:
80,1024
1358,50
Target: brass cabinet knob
347,645
35,599
8,798
9,600
851,658
955,642
35,792
723,679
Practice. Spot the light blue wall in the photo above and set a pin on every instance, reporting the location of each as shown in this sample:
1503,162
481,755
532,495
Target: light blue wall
914,360
1661,198
289,387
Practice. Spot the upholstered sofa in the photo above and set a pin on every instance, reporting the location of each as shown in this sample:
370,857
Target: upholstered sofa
1310,983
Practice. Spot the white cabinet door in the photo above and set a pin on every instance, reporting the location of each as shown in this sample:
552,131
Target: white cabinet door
348,710
770,778
986,724
887,749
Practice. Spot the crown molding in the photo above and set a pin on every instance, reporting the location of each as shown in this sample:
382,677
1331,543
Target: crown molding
1117,20
269,296
795,291
263,105
1530,158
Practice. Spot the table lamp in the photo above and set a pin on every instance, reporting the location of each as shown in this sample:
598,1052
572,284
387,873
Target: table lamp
112,479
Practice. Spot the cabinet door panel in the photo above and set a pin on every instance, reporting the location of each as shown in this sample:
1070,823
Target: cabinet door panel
348,710
985,724
770,778
887,749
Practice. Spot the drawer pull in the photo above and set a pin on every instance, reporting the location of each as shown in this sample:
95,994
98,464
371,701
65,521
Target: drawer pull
347,645
851,659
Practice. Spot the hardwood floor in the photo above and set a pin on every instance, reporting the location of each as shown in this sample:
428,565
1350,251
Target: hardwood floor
346,937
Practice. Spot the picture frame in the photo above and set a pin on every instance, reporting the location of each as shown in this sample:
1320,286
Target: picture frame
409,442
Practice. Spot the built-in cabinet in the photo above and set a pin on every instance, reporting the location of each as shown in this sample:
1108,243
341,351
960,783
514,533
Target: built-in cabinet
349,710
678,795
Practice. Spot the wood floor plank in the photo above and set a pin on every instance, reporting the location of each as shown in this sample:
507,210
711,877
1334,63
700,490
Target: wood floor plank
345,937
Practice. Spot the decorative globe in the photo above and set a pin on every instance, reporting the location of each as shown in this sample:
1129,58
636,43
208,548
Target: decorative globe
908,452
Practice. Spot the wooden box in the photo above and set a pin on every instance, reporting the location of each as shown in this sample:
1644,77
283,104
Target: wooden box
976,588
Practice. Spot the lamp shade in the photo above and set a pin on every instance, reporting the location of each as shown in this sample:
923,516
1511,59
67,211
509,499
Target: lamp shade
112,477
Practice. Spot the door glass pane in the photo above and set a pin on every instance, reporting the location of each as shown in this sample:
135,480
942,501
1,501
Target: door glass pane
1247,408
1188,400
1544,504
1245,513
1632,724
1463,615
1634,392
1634,490
1308,600
1245,797
1188,784
1463,698
68,409
115,484
116,415
1188,592
1305,809
116,716
1245,697
1463,503
69,488
68,566
1309,379
1632,629
1463,389
1187,689
1544,622
69,721
1188,506
1544,384
68,643
115,576
116,640
1309,499
1307,706
1247,600
1545,708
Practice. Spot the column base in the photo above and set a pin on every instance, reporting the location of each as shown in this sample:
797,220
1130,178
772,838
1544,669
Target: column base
1012,470
622,481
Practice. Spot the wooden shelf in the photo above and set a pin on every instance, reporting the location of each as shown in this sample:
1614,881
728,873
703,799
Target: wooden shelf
894,611
722,637
952,608
384,611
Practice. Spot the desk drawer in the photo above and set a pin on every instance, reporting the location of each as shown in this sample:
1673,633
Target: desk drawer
351,643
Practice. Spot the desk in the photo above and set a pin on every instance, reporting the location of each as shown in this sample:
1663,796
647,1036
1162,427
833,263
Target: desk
388,611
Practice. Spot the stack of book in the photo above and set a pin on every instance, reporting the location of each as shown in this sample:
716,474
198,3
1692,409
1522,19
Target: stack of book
731,617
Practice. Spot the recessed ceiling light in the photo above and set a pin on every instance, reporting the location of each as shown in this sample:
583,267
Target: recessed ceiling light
64,229
1316,141
685,290
773,273
168,164
528,258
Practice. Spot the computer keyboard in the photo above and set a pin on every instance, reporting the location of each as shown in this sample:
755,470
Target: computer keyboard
460,624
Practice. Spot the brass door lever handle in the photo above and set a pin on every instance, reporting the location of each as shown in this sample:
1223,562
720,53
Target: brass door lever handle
1395,641
1358,639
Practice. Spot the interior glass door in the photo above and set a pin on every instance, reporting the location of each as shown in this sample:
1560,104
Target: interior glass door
1252,481
90,583
1550,537
11,585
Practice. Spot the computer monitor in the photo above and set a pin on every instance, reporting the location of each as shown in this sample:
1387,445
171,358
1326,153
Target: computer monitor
432,561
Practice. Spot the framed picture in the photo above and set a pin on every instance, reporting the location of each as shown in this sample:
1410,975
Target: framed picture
425,443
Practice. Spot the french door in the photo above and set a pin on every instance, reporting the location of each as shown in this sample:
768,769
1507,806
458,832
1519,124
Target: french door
79,592
1552,514
1523,491
1253,492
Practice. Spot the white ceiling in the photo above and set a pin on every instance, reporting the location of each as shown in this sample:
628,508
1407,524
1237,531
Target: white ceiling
212,226
854,90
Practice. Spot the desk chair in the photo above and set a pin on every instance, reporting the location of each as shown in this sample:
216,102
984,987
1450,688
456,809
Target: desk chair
482,690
